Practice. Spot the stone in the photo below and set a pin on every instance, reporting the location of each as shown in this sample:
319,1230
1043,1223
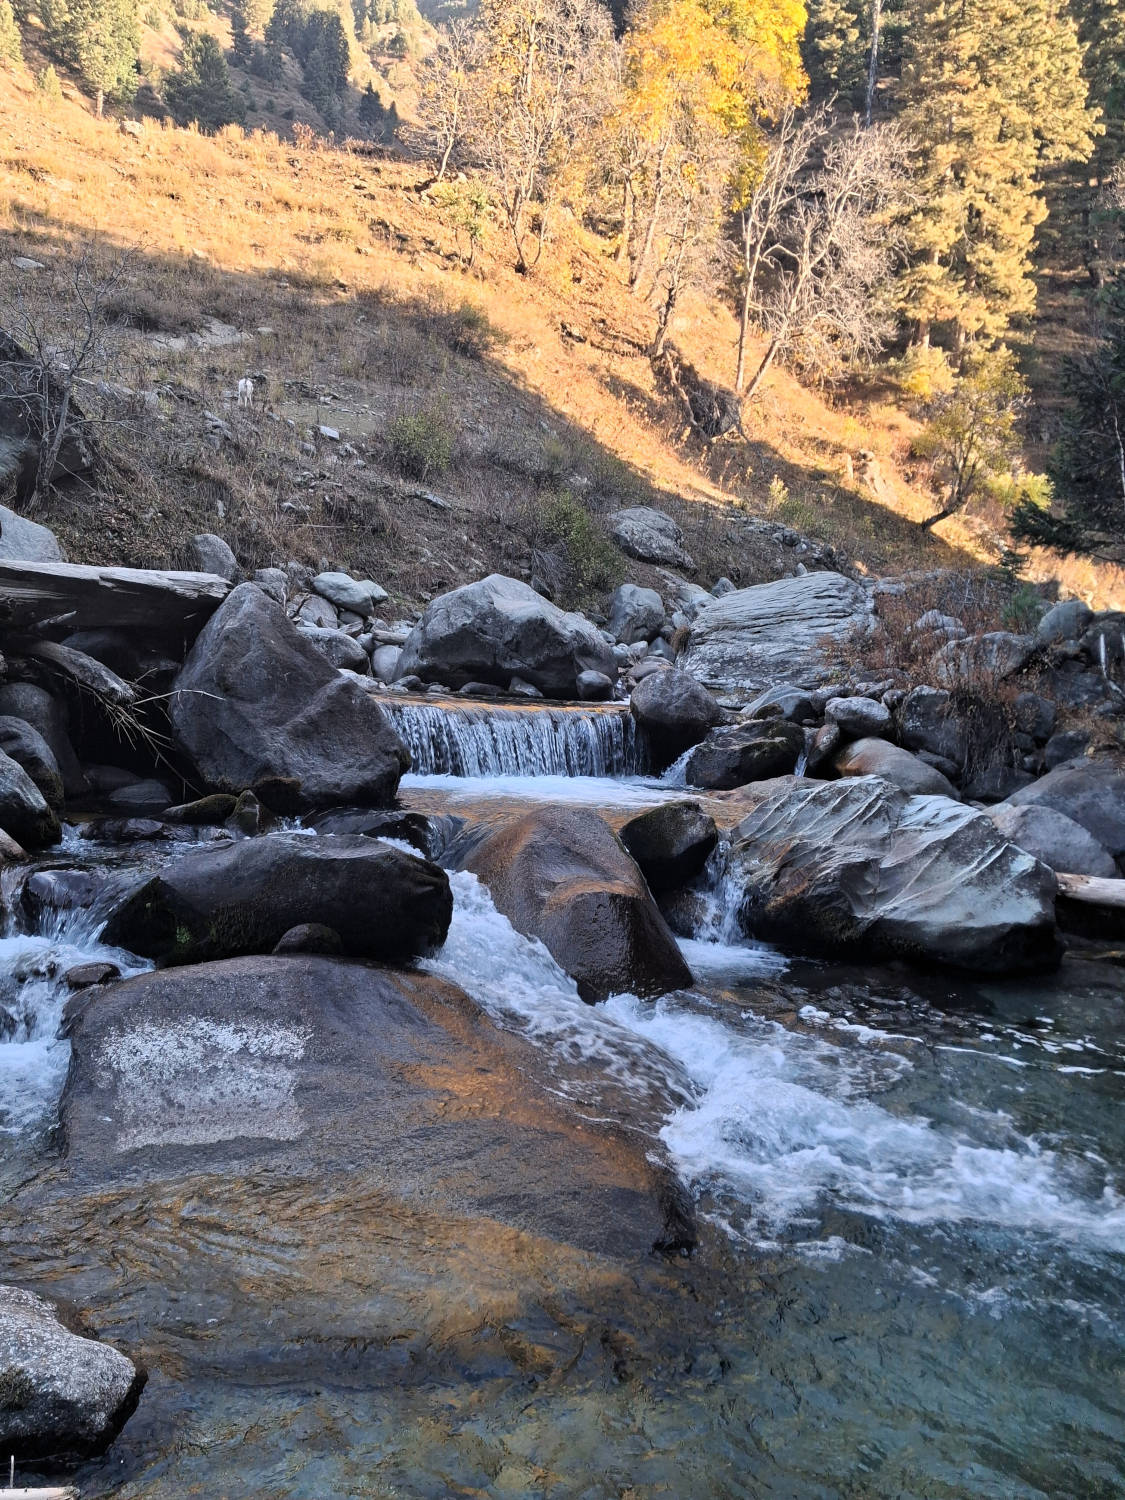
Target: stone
373,823
674,711
875,757
45,893
720,587
208,553
310,937
63,1396
752,750
519,687
859,718
635,614
792,703
1065,621
825,743
981,661
995,783
24,813
362,597
384,903
318,613
1054,838
385,663
1034,715
594,687
858,869
671,843
341,650
1068,744
22,429
44,712
934,623
124,830
660,649
926,721
272,581
256,706
775,633
688,598
1091,794
642,669
500,628
560,875
22,540
25,745
140,796
85,976
214,809
649,535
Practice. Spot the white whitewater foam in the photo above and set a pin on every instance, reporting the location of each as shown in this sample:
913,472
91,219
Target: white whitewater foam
589,791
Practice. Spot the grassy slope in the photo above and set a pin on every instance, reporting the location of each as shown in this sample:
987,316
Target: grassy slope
357,274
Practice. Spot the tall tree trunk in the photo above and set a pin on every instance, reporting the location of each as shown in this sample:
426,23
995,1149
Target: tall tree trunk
873,59
99,103
627,202
763,369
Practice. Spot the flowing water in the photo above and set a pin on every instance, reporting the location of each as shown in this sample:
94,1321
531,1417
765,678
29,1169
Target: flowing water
911,1280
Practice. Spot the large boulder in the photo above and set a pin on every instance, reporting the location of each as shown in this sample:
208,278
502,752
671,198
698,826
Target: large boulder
384,903
500,628
208,553
926,720
256,705
775,632
754,750
361,596
62,1395
22,540
385,1102
674,711
859,718
671,843
24,813
25,745
560,875
1064,621
635,614
1054,838
649,535
47,714
981,661
856,868
874,757
1091,794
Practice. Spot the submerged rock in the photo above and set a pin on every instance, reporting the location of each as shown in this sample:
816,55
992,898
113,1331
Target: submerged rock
61,1395
775,632
258,706
385,904
671,843
499,630
559,874
856,868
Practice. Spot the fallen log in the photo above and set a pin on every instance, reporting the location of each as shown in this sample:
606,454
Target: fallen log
65,597
84,671
1091,905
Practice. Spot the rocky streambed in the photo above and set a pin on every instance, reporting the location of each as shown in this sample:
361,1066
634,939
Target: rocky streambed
458,1093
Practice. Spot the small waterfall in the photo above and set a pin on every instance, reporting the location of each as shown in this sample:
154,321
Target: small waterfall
465,738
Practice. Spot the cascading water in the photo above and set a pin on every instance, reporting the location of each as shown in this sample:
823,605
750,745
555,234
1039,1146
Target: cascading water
470,739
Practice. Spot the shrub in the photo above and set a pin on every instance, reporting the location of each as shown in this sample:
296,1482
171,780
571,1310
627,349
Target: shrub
591,563
48,83
469,330
420,443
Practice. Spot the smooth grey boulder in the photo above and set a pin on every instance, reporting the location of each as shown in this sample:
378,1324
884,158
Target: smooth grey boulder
856,868
386,1097
674,711
825,743
753,750
1067,744
62,1395
980,661
649,535
45,713
341,649
560,875
926,720
22,540
594,687
318,613
792,703
860,718
272,581
1091,794
208,553
25,745
775,633
635,614
1054,838
385,663
1034,715
875,757
144,795
671,843
24,813
258,706
1065,621
361,596
499,629
384,903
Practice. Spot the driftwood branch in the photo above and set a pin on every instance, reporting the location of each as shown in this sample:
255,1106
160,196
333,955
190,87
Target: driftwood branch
74,597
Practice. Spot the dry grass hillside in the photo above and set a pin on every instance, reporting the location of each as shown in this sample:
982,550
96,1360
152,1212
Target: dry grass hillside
485,420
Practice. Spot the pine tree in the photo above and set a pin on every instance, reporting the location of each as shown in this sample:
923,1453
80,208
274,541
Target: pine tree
202,90
101,39
835,50
390,125
1101,30
11,50
242,47
992,94
371,112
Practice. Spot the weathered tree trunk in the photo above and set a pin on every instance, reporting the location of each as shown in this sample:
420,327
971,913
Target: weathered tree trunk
65,597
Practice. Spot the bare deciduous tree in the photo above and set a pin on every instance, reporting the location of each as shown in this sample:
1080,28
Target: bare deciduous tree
445,80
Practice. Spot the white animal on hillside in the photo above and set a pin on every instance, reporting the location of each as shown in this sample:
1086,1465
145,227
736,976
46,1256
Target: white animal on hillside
245,392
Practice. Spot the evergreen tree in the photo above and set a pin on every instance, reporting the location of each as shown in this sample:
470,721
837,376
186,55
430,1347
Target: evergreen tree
390,125
101,40
1101,30
242,47
835,50
371,112
11,50
202,90
991,93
